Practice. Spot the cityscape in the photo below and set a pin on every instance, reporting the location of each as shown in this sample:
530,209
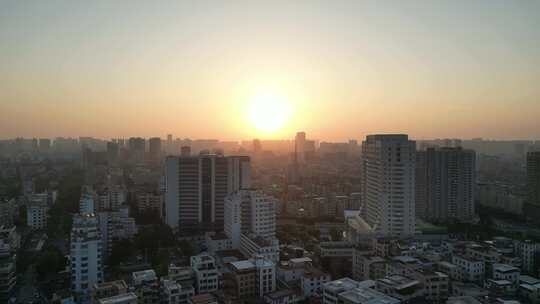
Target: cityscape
270,152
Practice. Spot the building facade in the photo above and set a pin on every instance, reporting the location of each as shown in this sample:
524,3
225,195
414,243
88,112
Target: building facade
445,183
388,171
196,188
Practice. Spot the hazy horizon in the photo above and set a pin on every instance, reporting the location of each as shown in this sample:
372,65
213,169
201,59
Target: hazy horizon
340,70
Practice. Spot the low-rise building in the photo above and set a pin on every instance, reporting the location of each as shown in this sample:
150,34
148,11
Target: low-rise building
312,282
470,269
205,273
108,289
283,296
333,289
146,286
203,299
499,288
436,284
506,272
251,245
529,289
460,289
126,298
254,278
338,249
218,242
400,287
368,266
365,296
174,293
449,269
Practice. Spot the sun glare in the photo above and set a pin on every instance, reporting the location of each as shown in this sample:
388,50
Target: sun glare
268,112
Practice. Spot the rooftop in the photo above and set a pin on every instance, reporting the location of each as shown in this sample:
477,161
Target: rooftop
504,268
280,294
462,300
144,275
243,265
203,299
119,298
367,296
528,280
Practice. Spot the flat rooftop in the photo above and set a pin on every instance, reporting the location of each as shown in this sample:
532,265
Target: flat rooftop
130,296
367,296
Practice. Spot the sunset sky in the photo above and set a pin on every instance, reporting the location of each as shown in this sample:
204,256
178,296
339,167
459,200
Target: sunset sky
335,69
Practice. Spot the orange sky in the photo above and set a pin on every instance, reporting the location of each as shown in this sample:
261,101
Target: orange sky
430,69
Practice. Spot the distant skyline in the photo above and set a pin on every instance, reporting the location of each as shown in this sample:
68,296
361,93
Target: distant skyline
343,69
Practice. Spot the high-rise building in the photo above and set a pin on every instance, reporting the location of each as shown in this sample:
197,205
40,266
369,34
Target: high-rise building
44,144
9,241
37,211
169,147
445,183
113,152
533,178
249,212
185,151
388,184
155,148
86,255
300,146
196,188
137,148
257,148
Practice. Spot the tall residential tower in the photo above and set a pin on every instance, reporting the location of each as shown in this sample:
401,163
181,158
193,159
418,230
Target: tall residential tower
445,183
196,187
388,171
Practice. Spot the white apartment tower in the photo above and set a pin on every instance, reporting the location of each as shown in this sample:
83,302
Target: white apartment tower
85,254
196,187
388,184
250,212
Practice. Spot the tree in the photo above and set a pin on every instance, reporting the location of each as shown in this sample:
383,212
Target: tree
120,252
50,261
186,248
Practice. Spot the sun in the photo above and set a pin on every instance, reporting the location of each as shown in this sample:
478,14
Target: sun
268,112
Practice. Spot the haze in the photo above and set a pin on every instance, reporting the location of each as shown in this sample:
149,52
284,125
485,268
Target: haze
347,68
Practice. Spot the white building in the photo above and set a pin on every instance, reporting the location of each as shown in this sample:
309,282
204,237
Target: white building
506,272
388,184
469,269
365,296
86,203
349,291
174,293
206,273
36,212
85,254
250,212
146,286
251,245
